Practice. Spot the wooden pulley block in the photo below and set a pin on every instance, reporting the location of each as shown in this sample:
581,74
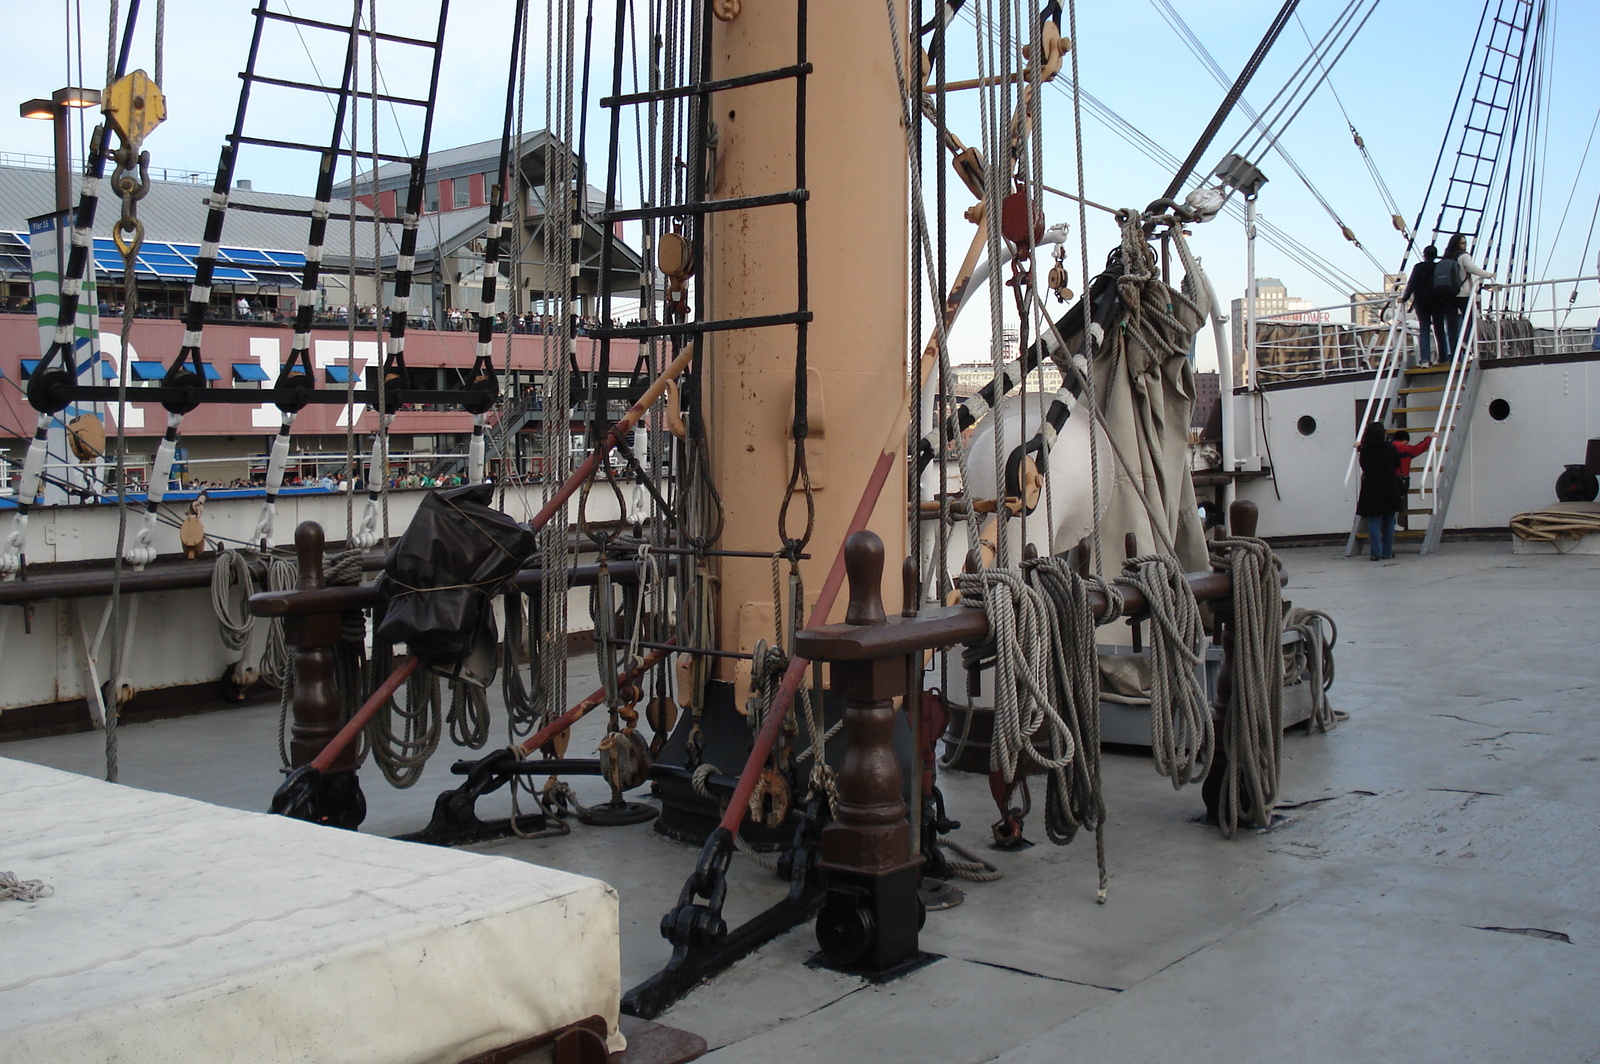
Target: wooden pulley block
192,533
1057,283
661,713
86,435
557,746
1032,484
624,759
674,257
726,10
969,168
769,802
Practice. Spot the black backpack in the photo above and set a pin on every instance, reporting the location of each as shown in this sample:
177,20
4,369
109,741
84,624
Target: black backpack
1447,278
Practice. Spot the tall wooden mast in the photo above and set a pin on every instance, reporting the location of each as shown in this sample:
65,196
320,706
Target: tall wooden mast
856,237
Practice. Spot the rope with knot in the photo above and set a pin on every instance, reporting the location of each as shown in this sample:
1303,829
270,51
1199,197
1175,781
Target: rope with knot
1252,739
702,773
1182,736
14,889
1313,663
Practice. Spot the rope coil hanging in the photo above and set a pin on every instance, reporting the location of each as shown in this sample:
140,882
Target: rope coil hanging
1252,739
1182,735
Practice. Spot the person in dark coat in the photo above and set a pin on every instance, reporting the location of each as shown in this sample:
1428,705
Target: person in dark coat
1431,317
1380,499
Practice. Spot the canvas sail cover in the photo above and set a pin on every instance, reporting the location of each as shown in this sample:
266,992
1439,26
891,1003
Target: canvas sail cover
441,577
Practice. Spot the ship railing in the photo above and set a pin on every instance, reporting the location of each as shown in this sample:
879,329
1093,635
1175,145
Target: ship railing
1539,319
1325,341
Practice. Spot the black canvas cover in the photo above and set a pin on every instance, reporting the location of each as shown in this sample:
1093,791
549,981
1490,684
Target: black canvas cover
441,576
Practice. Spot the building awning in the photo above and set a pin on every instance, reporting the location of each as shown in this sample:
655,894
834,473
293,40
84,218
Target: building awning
148,371
108,372
338,374
212,373
249,371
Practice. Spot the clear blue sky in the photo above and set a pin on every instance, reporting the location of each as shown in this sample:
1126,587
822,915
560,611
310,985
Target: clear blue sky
1397,81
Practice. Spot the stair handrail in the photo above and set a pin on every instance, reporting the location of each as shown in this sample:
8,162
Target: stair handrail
1463,360
1382,381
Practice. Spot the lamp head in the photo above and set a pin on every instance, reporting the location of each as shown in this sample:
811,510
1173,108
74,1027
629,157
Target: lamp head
45,109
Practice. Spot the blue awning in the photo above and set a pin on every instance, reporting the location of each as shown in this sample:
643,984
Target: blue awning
249,371
29,365
108,372
148,371
211,371
338,374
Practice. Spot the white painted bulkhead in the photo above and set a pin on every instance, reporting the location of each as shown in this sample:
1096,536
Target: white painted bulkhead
176,641
1510,466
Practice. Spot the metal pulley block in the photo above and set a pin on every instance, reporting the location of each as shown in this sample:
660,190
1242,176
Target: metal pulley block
134,106
1016,222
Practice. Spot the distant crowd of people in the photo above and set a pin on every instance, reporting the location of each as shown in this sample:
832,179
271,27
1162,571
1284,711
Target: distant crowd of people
246,308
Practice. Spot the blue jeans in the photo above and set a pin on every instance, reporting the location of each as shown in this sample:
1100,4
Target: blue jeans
1430,330
1380,535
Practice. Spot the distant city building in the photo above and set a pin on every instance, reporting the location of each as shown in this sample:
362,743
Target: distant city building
1207,389
1274,304
1367,307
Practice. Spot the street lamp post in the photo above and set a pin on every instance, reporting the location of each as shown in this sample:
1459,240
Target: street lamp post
57,108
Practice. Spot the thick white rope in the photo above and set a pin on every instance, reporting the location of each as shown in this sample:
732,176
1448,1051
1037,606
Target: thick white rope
1182,736
1252,739
230,592
1313,664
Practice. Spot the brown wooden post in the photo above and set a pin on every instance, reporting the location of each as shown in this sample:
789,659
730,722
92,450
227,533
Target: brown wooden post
316,717
1242,515
872,914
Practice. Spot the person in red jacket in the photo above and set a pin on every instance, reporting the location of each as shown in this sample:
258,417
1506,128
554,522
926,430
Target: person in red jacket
1408,451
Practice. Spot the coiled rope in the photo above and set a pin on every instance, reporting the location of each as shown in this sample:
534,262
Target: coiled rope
1252,739
230,593
1047,686
1314,663
14,889
1182,736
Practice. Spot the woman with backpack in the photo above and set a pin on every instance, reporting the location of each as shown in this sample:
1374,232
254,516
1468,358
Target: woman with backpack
1461,272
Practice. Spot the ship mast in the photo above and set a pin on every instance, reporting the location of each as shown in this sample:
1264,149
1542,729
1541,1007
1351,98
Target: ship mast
854,171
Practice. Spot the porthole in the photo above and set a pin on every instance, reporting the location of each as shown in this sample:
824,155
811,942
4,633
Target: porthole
1499,409
1307,424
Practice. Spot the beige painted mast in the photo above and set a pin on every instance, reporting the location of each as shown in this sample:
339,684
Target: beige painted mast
858,237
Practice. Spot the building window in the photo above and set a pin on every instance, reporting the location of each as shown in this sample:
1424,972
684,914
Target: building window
488,186
462,189
433,197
